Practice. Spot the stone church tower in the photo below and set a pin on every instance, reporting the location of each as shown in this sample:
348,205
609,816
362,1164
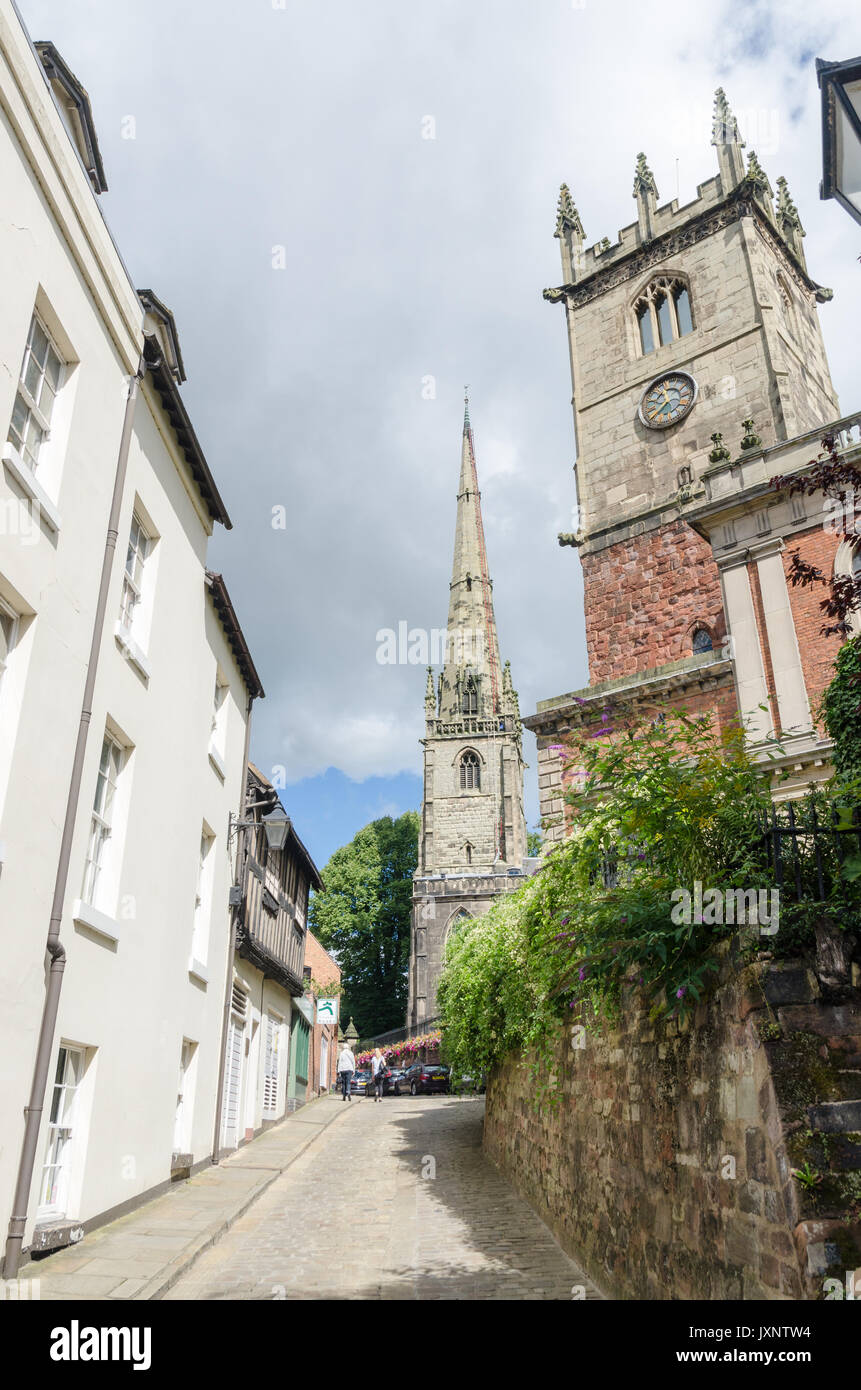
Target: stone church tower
473,834
696,353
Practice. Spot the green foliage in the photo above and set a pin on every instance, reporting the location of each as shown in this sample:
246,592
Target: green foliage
363,917
658,808
655,810
494,994
841,708
807,1177
534,841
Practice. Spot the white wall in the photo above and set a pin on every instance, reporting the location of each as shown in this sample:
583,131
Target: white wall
129,1001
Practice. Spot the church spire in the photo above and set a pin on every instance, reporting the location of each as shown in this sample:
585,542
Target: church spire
472,676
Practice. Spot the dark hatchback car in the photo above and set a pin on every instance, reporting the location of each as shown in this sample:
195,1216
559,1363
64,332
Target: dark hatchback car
423,1078
393,1082
362,1083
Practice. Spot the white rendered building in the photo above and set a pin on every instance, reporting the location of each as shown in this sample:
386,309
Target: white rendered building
96,441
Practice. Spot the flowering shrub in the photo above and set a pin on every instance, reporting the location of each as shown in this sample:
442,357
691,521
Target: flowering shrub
656,807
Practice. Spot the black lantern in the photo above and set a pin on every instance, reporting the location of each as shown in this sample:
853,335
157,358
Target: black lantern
276,826
840,84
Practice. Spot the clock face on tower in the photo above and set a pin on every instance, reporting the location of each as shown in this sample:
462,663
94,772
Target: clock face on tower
667,400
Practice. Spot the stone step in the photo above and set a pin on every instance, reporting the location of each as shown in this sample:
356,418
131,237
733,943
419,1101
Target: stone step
836,1117
849,1081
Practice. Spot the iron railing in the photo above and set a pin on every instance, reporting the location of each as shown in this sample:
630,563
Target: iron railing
805,852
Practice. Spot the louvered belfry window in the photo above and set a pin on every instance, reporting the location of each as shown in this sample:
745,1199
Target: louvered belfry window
470,772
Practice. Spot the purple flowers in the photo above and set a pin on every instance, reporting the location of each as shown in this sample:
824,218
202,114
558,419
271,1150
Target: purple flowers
582,972
680,992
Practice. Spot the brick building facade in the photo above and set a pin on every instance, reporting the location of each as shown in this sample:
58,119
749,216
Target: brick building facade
699,372
323,1049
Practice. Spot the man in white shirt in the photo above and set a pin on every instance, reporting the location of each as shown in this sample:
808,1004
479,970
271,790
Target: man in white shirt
346,1067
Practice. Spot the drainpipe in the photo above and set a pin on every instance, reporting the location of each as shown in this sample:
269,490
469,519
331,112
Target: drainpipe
231,940
54,946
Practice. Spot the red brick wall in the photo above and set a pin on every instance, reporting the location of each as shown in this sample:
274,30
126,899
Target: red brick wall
324,970
818,654
643,598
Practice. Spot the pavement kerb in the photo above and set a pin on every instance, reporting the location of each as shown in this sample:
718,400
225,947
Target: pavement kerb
166,1277
157,1285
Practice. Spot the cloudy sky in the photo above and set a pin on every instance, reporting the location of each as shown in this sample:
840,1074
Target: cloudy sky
350,209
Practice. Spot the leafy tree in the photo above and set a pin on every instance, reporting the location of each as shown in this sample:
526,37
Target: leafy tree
363,918
534,841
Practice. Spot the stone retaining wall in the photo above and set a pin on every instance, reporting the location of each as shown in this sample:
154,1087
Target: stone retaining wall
665,1168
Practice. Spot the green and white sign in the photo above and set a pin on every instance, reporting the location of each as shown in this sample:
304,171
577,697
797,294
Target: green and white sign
327,1010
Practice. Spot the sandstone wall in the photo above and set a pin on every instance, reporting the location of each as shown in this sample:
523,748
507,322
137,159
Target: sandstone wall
665,1167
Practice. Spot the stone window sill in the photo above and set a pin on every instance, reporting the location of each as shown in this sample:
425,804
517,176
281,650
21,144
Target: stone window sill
29,484
198,971
217,761
130,649
85,915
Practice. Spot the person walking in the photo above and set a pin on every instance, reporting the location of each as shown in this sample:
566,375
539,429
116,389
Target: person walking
379,1068
346,1067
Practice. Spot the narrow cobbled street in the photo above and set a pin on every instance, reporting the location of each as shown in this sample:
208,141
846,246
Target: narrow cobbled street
394,1201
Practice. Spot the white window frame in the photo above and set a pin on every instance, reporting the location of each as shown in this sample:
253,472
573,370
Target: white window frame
218,727
9,640
137,553
64,1113
182,1128
33,407
102,820
202,905
847,562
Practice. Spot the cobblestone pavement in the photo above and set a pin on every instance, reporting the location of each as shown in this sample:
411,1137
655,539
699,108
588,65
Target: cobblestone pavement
396,1202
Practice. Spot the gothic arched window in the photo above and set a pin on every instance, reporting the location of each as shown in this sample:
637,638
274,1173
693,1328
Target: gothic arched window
702,640
663,313
470,771
644,322
469,699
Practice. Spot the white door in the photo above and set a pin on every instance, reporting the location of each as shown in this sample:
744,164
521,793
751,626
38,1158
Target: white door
233,1082
324,1064
270,1066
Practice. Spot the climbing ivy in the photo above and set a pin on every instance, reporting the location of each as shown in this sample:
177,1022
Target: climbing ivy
841,708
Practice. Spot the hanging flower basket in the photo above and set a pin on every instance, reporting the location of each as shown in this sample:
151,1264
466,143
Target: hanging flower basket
406,1051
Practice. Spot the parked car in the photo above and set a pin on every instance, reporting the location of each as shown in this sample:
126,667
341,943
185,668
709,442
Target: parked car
393,1082
423,1078
362,1083
470,1082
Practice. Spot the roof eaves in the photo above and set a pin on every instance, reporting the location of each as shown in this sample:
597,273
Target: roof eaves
57,69
230,623
174,407
317,882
